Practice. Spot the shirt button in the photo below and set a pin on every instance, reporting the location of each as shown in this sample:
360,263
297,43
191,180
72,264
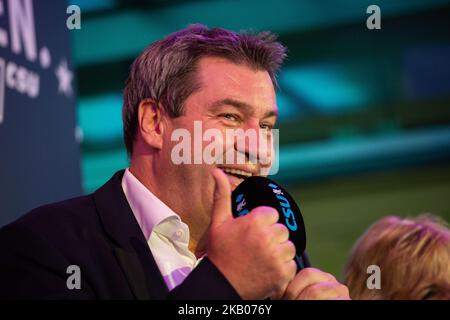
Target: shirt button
179,233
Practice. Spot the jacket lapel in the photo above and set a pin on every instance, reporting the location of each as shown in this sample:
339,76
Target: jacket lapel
134,272
132,251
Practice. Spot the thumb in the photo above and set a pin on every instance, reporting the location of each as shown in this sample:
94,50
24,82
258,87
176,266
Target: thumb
221,210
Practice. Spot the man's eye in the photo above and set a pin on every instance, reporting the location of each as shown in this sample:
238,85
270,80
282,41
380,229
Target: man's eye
266,126
230,117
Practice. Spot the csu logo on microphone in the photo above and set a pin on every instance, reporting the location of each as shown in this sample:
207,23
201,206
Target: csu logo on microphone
240,200
285,206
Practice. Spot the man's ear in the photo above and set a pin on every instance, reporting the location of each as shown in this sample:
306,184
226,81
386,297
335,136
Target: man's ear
150,123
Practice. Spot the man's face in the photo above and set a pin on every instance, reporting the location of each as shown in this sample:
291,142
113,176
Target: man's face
230,97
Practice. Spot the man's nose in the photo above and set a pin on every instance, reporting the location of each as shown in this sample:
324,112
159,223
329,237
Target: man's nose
255,143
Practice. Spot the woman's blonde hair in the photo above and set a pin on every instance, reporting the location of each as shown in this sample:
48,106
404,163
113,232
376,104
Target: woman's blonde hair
413,255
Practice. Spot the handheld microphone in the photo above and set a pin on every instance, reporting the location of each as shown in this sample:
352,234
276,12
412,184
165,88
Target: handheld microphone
260,191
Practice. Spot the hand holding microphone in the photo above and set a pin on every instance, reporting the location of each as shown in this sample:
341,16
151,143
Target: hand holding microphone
253,252
259,191
260,250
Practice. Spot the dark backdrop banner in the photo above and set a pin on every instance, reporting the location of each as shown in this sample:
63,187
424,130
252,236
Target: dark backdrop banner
39,149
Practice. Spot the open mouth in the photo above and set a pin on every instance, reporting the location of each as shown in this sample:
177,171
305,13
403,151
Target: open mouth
237,173
236,176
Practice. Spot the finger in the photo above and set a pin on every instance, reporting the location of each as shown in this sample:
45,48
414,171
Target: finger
330,290
305,278
280,232
222,194
266,215
347,297
288,249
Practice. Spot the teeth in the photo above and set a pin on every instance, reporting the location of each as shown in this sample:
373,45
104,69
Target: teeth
239,172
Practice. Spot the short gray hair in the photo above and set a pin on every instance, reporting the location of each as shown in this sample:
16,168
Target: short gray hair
165,71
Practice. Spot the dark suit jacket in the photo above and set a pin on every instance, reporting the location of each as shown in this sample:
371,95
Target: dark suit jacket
98,233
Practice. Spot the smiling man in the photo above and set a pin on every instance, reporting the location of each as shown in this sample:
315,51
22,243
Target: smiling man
161,229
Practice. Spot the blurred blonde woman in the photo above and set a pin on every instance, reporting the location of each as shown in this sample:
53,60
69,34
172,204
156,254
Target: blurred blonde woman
413,255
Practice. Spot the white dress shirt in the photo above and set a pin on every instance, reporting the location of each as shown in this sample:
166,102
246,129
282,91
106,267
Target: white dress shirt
166,235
